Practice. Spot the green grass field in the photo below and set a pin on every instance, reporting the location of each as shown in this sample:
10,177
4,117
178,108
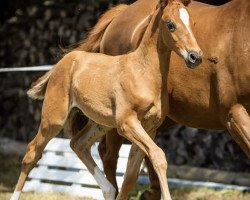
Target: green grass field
9,171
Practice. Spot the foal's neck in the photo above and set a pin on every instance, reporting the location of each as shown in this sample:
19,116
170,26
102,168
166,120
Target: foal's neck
152,48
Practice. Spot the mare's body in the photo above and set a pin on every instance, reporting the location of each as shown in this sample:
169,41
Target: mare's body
223,33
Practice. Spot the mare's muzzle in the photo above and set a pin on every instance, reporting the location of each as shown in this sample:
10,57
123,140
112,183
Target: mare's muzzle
194,59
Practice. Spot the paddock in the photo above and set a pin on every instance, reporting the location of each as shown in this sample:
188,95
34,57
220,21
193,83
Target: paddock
202,164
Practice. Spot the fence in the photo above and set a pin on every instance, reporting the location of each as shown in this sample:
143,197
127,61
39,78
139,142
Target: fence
60,170
26,69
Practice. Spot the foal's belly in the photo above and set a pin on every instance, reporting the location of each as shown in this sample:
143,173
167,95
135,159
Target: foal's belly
103,117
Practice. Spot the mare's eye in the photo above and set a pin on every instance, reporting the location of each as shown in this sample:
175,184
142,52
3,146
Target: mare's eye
171,25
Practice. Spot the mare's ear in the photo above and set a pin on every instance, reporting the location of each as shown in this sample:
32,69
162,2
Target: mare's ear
162,4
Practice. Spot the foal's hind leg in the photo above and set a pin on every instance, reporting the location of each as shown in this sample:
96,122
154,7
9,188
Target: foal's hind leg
81,144
109,152
239,127
54,114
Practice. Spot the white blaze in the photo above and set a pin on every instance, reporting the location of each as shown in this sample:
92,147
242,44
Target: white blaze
184,16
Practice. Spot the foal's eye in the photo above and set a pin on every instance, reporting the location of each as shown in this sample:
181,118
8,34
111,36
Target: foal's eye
171,25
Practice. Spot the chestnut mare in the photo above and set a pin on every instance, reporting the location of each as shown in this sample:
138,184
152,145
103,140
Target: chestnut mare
215,96
123,92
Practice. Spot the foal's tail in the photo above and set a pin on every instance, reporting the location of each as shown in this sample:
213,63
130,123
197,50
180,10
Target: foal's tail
38,88
90,44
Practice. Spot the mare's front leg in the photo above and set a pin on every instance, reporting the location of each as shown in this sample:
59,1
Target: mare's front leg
238,125
109,152
154,192
233,114
130,127
133,169
81,144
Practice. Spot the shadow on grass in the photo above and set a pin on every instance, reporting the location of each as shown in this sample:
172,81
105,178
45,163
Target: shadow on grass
9,171
196,193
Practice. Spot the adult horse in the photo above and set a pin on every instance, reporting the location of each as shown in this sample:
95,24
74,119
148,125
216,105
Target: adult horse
215,96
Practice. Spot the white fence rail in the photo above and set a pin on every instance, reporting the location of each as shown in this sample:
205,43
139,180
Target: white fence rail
26,69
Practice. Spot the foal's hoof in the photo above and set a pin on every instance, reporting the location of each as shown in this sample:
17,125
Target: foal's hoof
151,195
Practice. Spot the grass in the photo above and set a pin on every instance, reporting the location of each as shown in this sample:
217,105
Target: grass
176,193
10,167
198,194
42,196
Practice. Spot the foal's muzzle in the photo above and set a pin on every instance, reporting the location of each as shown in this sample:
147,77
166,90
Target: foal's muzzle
194,59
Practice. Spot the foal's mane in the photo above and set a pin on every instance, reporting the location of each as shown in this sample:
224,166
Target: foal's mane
154,22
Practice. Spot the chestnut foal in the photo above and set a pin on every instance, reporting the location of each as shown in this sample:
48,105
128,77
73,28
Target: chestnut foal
123,92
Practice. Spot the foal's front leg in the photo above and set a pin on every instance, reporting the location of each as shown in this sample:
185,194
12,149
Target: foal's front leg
131,128
81,144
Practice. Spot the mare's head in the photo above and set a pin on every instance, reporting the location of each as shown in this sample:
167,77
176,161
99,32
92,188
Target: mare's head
177,31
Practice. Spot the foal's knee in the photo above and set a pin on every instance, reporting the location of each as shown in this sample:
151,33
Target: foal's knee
158,158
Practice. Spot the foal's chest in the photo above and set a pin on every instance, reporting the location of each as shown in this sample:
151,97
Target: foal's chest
154,117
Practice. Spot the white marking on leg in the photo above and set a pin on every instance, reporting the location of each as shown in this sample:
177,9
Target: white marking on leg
15,195
106,187
184,16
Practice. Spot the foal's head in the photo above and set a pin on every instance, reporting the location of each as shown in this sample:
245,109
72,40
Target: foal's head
177,32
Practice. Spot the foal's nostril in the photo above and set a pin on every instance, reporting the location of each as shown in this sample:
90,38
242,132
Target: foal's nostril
194,59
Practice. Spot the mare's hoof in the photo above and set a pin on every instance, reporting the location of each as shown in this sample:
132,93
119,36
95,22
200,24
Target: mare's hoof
151,195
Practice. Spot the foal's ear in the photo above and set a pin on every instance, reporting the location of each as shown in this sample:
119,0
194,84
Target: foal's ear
162,4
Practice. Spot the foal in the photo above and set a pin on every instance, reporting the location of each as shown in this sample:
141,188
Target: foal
124,92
